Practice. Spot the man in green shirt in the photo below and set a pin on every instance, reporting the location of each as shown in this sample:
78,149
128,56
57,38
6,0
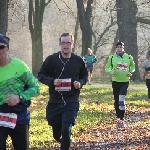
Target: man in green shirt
17,86
121,66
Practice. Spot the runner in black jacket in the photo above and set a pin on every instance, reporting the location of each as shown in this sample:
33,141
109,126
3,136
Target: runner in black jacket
64,73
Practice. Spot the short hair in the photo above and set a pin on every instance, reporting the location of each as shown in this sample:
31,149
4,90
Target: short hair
90,50
67,34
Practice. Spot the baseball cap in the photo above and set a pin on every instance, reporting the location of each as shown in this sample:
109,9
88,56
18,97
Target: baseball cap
4,39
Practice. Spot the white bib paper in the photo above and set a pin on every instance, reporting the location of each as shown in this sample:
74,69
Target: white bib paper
8,120
65,85
122,66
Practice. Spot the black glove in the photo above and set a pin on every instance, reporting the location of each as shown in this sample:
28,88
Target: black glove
147,69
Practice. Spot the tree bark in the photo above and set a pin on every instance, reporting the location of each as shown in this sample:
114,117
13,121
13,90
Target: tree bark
3,16
76,32
35,17
127,24
84,19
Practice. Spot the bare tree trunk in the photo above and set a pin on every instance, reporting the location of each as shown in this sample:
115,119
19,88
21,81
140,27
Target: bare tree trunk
3,16
35,18
113,49
76,32
85,18
127,24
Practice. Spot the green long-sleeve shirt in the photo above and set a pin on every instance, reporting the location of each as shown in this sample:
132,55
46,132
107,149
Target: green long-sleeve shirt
122,66
13,79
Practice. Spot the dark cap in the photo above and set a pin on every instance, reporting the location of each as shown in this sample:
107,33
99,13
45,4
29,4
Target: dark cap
4,39
119,43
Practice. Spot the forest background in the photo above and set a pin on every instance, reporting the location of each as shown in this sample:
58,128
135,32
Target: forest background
97,24
34,27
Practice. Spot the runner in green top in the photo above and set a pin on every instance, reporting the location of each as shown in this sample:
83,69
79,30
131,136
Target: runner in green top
120,66
17,86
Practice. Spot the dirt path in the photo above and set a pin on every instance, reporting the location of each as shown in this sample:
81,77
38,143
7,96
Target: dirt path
105,135
109,85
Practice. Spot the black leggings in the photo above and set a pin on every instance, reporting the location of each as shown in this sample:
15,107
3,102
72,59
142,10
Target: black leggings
19,136
119,88
62,119
148,87
62,133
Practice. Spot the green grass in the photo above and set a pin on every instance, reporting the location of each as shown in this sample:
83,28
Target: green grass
107,80
101,80
96,104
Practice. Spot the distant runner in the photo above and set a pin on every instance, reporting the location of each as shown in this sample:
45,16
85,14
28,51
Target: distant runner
121,66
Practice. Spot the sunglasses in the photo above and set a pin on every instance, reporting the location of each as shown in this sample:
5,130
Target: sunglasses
2,47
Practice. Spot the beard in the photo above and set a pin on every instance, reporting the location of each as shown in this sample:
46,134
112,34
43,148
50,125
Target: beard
66,54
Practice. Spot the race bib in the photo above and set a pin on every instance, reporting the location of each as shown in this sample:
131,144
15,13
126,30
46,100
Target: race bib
8,120
65,85
122,66
148,73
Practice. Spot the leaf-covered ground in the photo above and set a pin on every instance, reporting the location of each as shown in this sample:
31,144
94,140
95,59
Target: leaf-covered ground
107,136
96,127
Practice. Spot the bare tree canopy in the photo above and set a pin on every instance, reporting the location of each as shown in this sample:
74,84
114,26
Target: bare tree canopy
99,15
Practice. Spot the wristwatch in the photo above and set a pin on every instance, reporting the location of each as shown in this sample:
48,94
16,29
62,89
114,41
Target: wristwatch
21,98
